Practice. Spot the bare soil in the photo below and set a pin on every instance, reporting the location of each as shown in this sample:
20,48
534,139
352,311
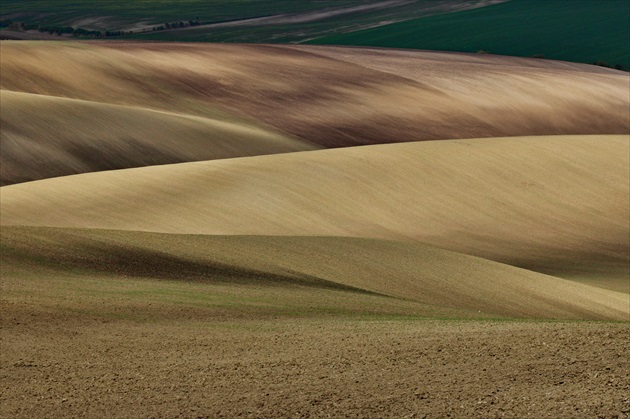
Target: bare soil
79,342
77,365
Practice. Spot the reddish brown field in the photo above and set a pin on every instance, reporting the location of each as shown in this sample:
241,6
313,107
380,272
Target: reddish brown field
330,97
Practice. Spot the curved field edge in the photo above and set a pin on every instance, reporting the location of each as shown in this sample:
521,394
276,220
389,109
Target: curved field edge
442,282
556,205
44,136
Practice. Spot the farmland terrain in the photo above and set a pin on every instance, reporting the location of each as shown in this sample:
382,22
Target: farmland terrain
299,98
103,15
76,136
422,280
587,31
553,204
216,230
557,29
216,20
83,361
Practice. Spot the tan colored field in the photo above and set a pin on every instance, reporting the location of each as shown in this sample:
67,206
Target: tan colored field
45,136
478,277
551,204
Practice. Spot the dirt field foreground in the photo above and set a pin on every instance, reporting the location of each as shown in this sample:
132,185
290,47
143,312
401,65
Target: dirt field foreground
83,366
126,337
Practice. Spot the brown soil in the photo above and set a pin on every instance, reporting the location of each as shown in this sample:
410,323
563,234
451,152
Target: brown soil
80,366
45,136
330,98
223,101
78,341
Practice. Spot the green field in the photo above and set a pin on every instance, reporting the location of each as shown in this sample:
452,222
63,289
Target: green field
572,30
64,12
341,17
291,23
587,31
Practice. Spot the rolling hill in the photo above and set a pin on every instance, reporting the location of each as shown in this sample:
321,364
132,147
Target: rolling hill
330,97
171,103
258,230
194,266
45,136
556,205
107,14
214,20
585,31
442,282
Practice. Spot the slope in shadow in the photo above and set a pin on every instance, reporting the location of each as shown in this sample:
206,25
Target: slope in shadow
125,260
550,204
410,272
44,136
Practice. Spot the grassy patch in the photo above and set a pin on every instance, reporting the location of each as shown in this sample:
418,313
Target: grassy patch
588,31
124,12
105,297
